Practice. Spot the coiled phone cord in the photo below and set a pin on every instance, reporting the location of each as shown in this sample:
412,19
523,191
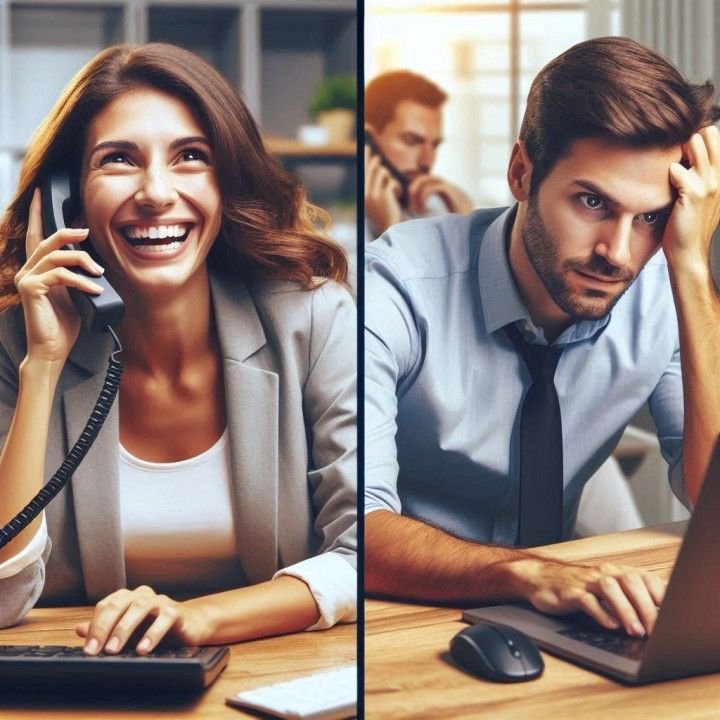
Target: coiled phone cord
58,481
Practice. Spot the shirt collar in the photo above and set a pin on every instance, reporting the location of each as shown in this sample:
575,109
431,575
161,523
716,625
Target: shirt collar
501,301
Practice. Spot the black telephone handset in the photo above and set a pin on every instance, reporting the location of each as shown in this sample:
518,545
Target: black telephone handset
58,206
98,312
403,198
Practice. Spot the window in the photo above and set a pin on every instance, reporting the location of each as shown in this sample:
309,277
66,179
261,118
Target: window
484,55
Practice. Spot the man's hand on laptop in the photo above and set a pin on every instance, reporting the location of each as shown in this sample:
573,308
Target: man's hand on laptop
614,595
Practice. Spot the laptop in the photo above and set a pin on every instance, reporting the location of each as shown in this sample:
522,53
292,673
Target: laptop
686,637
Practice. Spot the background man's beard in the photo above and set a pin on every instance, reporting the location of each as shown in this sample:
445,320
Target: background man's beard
541,249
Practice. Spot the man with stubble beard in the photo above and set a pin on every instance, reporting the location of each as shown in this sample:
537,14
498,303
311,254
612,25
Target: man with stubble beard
507,350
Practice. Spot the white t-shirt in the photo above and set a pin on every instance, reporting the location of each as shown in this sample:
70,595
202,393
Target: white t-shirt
179,535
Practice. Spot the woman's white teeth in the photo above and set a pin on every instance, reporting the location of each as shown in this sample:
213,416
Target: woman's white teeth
159,248
158,232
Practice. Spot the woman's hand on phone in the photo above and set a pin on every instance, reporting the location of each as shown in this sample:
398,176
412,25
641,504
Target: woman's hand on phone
51,321
122,615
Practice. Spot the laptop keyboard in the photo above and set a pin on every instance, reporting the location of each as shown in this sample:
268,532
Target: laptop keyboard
614,641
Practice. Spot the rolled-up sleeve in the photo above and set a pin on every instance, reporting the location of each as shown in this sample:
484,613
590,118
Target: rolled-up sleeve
28,555
666,406
332,582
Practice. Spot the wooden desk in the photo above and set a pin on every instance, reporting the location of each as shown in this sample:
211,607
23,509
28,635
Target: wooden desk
408,673
251,665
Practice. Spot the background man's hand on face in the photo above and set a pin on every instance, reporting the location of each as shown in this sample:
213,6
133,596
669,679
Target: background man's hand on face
382,207
424,186
696,212
408,143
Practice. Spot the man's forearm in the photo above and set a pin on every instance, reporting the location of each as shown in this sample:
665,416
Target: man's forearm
687,243
410,559
698,309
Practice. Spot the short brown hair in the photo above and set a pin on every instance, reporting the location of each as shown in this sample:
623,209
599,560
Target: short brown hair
268,228
385,92
613,88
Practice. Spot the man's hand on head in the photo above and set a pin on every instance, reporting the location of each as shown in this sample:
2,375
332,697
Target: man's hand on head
686,242
382,207
696,212
423,186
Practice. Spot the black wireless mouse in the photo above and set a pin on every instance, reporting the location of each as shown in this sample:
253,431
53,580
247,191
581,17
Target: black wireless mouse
497,652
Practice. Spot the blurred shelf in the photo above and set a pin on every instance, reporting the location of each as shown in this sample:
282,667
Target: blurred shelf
290,149
274,52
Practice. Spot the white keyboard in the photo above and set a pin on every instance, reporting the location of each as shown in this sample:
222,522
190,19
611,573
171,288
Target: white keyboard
329,695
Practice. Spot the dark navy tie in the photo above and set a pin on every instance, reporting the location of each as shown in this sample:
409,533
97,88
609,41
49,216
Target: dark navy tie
541,457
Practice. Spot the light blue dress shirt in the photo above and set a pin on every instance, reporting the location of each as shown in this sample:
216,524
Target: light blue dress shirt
444,384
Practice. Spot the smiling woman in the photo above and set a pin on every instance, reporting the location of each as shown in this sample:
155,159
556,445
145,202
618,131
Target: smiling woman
225,476
143,181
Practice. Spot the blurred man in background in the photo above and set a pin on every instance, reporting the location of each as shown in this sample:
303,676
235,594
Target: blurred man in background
403,129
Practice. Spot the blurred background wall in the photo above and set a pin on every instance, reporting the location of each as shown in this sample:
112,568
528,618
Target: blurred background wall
277,53
485,55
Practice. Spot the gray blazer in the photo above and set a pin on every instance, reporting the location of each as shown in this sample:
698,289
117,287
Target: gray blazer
289,365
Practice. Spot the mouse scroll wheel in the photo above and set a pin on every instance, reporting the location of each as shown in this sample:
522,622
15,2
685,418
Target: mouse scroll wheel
513,649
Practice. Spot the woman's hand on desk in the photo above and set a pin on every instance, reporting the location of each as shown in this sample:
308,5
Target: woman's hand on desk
118,616
614,595
282,605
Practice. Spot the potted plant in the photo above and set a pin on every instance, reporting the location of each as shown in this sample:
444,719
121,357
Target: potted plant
333,106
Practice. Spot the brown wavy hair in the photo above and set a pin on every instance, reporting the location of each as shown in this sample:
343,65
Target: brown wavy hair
269,230
613,88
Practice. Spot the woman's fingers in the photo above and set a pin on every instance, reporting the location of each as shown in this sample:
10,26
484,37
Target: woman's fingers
168,616
39,284
138,611
69,259
54,269
66,236
108,613
34,235
120,615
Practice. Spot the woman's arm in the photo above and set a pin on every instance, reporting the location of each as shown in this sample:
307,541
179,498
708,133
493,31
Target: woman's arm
51,326
282,605
314,592
22,462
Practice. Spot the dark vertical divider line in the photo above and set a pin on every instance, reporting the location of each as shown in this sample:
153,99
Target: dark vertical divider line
360,223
